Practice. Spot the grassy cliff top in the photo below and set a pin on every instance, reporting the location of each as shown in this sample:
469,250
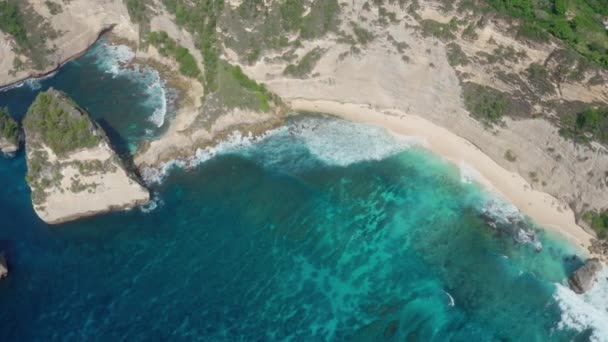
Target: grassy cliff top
9,129
57,121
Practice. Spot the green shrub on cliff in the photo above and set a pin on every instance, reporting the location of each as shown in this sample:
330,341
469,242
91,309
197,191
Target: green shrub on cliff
598,222
485,103
9,129
59,123
592,123
579,23
11,22
306,64
169,47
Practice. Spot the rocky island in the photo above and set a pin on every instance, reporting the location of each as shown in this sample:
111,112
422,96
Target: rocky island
9,133
72,170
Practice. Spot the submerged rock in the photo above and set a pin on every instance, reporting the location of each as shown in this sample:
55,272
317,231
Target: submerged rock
507,220
3,267
584,277
72,170
9,133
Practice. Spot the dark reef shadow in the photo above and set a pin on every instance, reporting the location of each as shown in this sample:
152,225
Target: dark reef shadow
120,146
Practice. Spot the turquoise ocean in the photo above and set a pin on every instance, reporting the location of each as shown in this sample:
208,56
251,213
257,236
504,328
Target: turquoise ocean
323,230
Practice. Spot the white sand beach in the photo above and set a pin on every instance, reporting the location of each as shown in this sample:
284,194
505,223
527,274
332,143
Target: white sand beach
543,208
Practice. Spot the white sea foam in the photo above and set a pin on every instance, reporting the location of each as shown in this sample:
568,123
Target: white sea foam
468,174
155,203
13,86
33,83
112,58
157,95
235,141
335,142
338,142
451,303
117,61
501,210
588,311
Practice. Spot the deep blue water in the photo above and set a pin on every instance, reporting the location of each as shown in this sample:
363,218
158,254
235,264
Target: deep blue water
325,230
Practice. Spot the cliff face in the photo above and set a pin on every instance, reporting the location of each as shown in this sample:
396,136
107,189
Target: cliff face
9,133
72,170
55,31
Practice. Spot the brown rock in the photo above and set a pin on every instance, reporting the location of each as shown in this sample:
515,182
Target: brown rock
583,278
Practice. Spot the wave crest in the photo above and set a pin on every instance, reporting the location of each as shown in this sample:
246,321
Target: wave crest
585,312
341,143
117,60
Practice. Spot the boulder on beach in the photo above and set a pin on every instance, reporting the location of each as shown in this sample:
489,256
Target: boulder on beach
584,277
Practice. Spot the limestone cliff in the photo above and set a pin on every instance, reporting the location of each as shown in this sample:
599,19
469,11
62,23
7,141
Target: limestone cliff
72,170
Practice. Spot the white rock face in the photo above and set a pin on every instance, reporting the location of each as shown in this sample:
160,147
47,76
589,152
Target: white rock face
108,187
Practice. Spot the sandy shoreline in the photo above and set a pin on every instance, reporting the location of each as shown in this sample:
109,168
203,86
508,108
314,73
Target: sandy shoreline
543,208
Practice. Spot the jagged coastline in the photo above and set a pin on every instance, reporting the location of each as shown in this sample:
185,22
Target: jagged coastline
53,69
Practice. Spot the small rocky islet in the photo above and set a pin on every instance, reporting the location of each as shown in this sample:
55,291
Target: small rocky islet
73,171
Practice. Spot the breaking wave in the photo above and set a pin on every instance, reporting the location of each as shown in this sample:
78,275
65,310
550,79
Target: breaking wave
341,143
588,312
332,141
118,61
154,204
235,141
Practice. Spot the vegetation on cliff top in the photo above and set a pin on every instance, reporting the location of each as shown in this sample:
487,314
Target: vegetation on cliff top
590,124
485,103
11,22
200,18
598,222
30,31
169,47
305,65
9,129
579,23
56,121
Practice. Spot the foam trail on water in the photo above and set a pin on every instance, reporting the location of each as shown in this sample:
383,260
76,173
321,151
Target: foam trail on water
451,303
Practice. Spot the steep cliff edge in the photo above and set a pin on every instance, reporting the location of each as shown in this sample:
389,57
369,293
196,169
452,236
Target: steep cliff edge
9,133
72,170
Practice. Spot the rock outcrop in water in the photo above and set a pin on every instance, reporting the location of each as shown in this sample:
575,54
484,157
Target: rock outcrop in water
583,278
9,133
3,267
72,170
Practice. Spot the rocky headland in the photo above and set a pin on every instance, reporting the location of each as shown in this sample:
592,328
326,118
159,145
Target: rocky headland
73,171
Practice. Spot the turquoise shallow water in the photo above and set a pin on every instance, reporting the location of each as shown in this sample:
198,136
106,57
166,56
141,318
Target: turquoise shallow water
325,230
